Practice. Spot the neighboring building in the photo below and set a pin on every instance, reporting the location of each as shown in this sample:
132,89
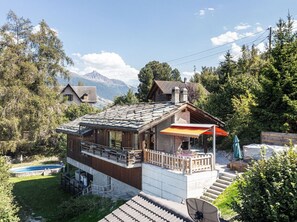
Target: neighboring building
162,90
146,146
79,94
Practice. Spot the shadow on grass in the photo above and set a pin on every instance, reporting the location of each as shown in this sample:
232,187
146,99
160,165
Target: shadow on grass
39,194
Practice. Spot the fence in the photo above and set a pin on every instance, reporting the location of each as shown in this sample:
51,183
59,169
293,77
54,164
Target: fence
187,165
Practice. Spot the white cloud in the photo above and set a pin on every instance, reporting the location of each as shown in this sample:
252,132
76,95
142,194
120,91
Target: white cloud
235,51
242,26
187,74
109,64
261,47
225,38
259,29
204,11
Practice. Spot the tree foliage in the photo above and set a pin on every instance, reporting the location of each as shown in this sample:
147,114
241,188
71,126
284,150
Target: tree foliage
30,61
8,210
74,111
268,190
129,98
154,70
257,92
277,99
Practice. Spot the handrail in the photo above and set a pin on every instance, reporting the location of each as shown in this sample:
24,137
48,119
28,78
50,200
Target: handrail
187,165
128,157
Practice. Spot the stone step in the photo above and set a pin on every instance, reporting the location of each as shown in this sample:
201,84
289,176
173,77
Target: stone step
208,199
219,189
222,185
222,181
215,192
231,175
213,196
226,178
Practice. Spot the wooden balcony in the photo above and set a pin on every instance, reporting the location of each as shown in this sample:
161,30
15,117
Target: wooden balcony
186,164
124,156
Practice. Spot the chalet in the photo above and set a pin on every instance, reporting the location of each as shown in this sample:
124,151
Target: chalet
79,94
144,147
161,90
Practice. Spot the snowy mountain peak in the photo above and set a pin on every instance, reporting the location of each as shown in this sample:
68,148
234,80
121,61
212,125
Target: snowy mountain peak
97,77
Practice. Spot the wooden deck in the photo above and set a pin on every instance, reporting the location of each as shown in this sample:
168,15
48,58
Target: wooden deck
185,164
125,156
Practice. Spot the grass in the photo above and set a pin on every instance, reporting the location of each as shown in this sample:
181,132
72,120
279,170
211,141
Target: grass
98,212
39,194
224,200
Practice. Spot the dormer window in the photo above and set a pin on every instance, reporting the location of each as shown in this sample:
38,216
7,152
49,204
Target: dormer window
69,97
84,97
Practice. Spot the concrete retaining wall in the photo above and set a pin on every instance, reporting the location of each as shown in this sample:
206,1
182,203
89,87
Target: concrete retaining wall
173,185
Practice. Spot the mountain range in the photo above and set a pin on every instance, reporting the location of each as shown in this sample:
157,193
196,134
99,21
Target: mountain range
107,89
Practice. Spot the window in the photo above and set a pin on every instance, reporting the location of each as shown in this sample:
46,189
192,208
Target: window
85,97
115,139
70,145
68,97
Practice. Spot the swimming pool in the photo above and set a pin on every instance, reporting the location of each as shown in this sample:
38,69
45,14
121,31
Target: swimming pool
35,170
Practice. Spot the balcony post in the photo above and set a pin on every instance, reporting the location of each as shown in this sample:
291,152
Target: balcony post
191,167
214,146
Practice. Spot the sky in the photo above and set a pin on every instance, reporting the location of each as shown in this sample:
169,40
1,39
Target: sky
118,38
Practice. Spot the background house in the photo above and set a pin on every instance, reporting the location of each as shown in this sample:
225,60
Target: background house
162,90
79,94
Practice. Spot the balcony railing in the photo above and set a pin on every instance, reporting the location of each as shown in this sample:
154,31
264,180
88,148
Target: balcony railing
186,164
125,156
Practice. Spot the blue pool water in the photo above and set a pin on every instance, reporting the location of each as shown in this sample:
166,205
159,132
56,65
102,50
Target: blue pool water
34,168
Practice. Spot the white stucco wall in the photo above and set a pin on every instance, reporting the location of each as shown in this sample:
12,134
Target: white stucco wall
120,189
75,98
175,186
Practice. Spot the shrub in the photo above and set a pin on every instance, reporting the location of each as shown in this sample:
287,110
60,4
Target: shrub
8,210
268,190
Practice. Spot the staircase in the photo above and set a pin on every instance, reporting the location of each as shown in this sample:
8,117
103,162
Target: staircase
224,180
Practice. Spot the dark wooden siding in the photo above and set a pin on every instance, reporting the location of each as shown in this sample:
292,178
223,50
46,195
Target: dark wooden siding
131,176
127,139
75,153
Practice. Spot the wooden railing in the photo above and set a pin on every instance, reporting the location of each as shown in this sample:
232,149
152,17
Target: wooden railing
124,155
187,165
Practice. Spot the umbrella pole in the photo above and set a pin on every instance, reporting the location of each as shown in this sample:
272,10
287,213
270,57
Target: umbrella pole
214,145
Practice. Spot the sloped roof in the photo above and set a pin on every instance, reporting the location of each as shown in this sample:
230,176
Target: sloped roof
73,127
145,207
167,86
132,117
82,90
137,117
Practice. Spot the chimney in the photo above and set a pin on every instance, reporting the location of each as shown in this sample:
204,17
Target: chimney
175,95
183,96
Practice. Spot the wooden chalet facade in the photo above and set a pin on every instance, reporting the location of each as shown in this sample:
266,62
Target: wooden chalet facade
114,146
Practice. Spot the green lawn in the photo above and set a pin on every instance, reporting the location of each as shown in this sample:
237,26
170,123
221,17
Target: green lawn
39,194
43,196
224,200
